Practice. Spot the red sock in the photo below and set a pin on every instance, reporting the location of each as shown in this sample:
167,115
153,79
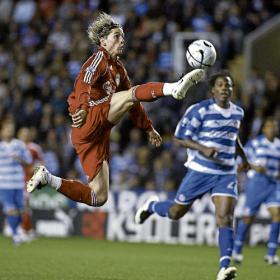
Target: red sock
26,222
78,191
149,92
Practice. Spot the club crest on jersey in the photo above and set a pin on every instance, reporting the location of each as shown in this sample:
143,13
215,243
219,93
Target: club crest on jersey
118,79
108,87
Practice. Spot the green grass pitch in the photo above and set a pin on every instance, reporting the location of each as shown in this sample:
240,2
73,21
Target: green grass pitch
81,259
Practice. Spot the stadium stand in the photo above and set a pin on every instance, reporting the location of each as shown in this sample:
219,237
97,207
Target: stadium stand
44,43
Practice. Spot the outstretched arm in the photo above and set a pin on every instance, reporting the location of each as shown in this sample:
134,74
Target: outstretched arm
141,120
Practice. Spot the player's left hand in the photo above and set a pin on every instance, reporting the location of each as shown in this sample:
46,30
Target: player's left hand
154,137
244,166
79,118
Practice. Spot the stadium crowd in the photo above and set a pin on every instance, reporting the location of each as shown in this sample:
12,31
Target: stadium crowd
44,43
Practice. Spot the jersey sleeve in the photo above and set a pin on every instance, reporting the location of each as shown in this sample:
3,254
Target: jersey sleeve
188,126
89,74
140,118
251,152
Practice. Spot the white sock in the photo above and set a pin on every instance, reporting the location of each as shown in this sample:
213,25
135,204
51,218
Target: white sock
54,181
168,88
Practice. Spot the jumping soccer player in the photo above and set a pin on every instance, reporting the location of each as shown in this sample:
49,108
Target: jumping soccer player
102,96
210,129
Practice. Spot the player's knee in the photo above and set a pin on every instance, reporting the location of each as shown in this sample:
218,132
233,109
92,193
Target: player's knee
275,219
101,200
224,220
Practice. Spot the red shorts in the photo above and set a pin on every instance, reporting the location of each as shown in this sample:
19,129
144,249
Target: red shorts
92,140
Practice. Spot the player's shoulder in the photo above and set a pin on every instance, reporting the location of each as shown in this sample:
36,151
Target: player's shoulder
237,108
18,143
191,108
277,141
94,60
259,139
203,106
206,102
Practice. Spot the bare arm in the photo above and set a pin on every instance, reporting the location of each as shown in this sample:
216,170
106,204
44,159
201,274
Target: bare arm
154,137
240,151
209,152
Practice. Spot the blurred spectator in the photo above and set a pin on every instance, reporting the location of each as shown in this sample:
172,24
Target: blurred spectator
24,11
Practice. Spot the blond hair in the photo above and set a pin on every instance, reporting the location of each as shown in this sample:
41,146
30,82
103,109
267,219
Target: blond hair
101,27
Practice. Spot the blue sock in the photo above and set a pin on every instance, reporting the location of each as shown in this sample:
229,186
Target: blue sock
161,207
241,231
13,222
226,245
273,239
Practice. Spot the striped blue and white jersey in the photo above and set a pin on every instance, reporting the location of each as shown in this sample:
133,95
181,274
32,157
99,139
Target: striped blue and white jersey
260,151
11,171
212,126
180,131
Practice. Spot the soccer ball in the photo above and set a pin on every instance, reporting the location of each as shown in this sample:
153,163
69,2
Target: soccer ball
201,54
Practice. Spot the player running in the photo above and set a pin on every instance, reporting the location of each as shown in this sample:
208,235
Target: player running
263,186
26,135
102,96
210,129
13,156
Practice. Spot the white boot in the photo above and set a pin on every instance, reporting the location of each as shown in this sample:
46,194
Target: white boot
183,85
39,179
227,273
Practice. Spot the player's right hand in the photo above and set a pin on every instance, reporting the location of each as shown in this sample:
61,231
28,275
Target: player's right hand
209,152
79,118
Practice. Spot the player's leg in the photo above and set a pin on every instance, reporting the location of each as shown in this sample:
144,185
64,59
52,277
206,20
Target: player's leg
165,208
272,245
151,91
26,219
224,206
240,236
123,101
94,194
192,186
12,207
92,146
93,158
224,196
255,195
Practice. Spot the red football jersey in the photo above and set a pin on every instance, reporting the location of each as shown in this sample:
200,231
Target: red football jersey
99,78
